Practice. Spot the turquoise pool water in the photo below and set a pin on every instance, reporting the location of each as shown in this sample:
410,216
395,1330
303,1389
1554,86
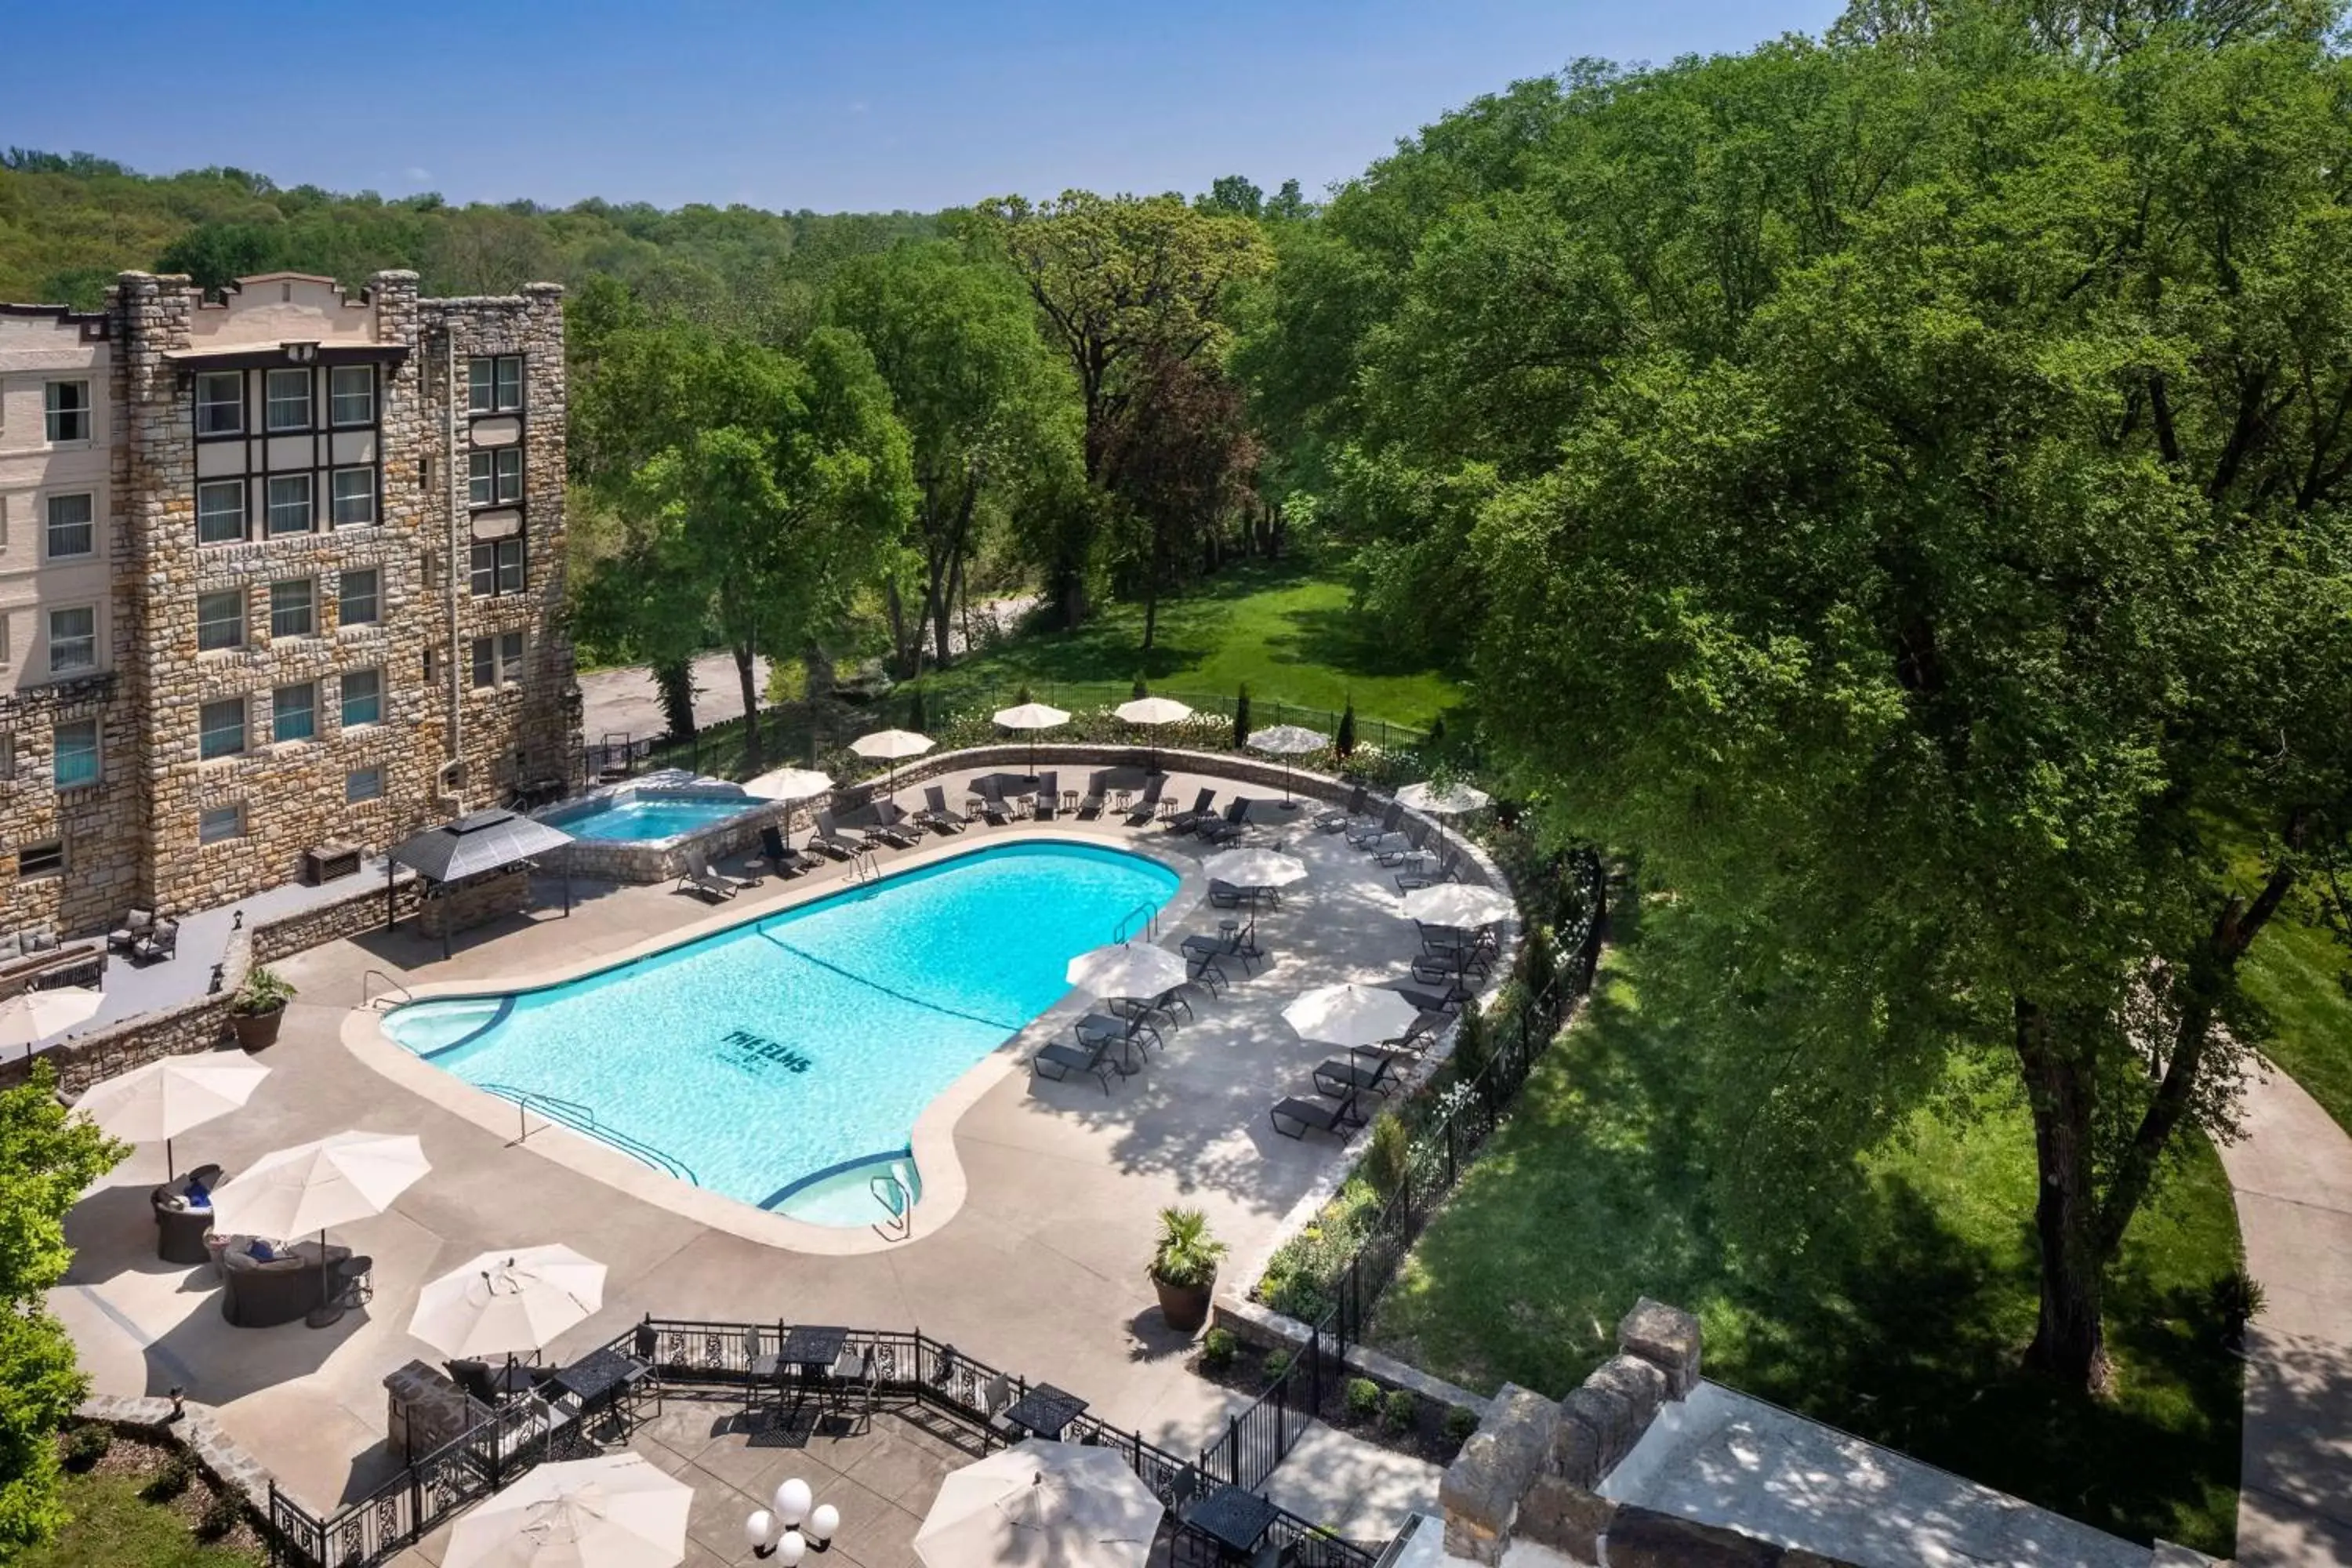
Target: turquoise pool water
774,1062
643,818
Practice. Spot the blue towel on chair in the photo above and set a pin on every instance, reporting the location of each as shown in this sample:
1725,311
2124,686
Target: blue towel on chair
199,1196
262,1252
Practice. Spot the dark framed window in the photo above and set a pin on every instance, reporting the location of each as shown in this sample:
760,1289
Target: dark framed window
294,711
362,697
288,400
293,607
76,758
494,384
220,511
219,823
351,499
510,657
73,527
358,601
363,784
289,503
220,620
351,393
498,567
494,477
220,728
220,402
485,651
41,859
64,406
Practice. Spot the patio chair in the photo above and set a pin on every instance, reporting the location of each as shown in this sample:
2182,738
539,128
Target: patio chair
1148,806
1365,834
158,945
1049,797
1090,806
1093,1058
992,809
1309,1115
135,924
1344,1080
1333,821
1235,823
787,861
698,877
1449,869
1155,1011
1447,1001
1398,847
831,838
935,814
1185,821
995,1399
857,1386
892,825
1120,1029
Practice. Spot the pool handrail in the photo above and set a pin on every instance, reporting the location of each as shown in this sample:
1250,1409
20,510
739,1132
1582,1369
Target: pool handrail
583,1120
1150,931
390,984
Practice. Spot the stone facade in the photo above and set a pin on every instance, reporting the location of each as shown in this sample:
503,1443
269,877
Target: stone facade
305,642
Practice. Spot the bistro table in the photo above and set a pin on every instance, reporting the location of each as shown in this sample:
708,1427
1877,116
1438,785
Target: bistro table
813,1349
1045,1411
1231,1517
597,1379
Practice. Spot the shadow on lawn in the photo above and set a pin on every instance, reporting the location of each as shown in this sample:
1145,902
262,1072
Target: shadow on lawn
1344,639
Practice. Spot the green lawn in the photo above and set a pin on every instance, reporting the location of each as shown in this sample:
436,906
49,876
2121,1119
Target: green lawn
1903,1325
114,1527
2291,970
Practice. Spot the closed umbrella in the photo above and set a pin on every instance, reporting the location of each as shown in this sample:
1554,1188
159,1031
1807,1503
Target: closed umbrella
166,1097
1456,904
1039,1505
1287,740
1031,716
892,746
1350,1015
515,1299
619,1511
1152,712
31,1016
1442,800
1125,969
311,1187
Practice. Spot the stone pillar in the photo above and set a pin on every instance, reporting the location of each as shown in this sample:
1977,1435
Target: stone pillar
1480,1494
1666,1337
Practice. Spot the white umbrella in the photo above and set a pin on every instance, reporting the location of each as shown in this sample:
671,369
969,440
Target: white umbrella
1152,712
1253,868
789,783
1125,969
1442,800
617,1512
1036,1504
1350,1015
166,1097
30,1016
1031,716
1456,904
1287,740
517,1300
892,746
336,1180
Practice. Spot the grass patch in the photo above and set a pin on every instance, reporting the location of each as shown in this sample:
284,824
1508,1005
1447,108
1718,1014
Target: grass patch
114,1527
2291,970
1902,1324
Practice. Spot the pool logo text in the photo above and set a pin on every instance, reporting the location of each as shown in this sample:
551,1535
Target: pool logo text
757,1053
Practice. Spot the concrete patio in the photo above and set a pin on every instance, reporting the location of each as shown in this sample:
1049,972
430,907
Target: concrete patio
1041,1272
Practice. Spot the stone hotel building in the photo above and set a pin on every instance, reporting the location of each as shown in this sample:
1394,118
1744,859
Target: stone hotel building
280,573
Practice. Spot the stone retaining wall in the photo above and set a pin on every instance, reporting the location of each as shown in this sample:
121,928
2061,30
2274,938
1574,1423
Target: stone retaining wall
315,927
191,1431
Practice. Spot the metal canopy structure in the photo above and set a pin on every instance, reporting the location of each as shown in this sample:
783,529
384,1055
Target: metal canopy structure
477,843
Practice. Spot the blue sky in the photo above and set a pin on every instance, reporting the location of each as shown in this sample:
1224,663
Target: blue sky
891,103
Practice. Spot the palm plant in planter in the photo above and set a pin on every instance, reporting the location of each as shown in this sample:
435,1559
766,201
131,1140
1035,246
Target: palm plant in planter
1184,1267
258,1007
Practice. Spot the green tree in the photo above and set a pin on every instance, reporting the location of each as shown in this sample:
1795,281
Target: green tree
46,1157
1183,458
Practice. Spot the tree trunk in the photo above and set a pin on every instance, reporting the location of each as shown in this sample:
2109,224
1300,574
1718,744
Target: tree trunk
2069,1340
906,636
1150,616
754,759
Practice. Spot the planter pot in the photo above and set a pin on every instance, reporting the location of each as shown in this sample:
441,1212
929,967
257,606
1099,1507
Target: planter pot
257,1031
1186,1307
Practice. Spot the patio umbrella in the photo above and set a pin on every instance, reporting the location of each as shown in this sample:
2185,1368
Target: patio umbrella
517,1300
789,786
891,746
333,1181
166,1097
31,1016
1350,1015
1442,800
618,1510
1253,868
1456,904
1125,969
1152,712
1287,740
1039,1505
1031,716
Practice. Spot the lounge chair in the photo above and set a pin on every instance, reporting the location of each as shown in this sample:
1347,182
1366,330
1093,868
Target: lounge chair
1396,848
1148,807
1091,804
1333,821
1233,825
1049,796
992,809
1366,835
1307,1114
1447,1001
891,824
935,814
698,877
158,945
1204,952
787,861
135,924
831,838
1371,1073
1449,869
1153,1010
1185,821
1093,1058
1124,1028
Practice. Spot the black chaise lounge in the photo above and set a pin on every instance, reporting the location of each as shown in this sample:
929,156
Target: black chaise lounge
1066,1059
1049,796
1363,1072
1235,823
1332,821
1449,869
935,814
1365,834
1203,811
992,809
1145,809
1091,804
891,824
834,841
787,861
1312,1115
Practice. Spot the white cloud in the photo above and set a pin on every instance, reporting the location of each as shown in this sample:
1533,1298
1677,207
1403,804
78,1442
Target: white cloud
415,175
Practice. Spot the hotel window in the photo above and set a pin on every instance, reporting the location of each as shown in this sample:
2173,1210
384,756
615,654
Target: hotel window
494,477
293,609
494,385
362,697
289,503
66,404
220,728
220,511
353,498
220,402
75,764
294,711
510,657
351,393
8,756
220,822
498,567
362,783
356,598
486,662
73,527
41,859
289,400
73,639
220,620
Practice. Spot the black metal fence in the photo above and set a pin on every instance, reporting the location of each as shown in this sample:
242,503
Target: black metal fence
694,1356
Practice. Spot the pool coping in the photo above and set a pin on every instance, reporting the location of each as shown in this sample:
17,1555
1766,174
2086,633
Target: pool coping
932,1139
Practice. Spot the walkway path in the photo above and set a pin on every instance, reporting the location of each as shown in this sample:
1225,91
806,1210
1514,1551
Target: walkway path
2293,1178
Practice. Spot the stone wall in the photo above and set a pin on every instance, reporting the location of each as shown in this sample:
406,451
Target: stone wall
190,1428
477,900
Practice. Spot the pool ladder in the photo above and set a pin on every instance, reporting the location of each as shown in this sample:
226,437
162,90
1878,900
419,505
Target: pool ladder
865,866
580,1119
1148,930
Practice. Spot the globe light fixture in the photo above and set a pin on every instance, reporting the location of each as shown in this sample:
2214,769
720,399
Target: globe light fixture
796,1525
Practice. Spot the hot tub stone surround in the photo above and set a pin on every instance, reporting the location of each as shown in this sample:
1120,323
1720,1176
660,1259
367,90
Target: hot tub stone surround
657,861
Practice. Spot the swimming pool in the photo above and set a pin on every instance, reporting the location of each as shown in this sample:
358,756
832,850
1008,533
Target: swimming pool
637,819
785,1061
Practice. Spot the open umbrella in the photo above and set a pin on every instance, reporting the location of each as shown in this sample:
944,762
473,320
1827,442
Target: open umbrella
1350,1015
1442,800
1125,969
788,785
166,1097
311,1187
1456,904
31,1016
1253,868
1039,1505
892,746
619,1511
1152,712
517,1300
1031,716
1287,740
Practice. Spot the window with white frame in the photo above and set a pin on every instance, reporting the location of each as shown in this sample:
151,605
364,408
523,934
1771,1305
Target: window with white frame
358,597
73,527
41,859
220,822
220,728
289,503
362,697
498,567
351,393
64,406
73,639
494,477
362,783
75,759
220,511
494,384
293,607
220,402
353,500
294,711
220,620
288,404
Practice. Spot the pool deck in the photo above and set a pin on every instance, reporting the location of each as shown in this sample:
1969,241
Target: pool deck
1040,1270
